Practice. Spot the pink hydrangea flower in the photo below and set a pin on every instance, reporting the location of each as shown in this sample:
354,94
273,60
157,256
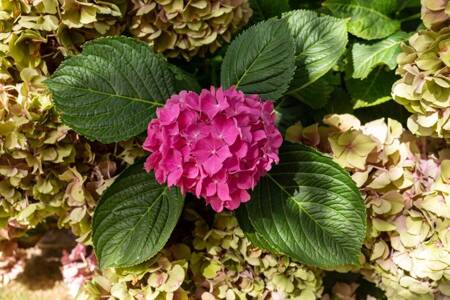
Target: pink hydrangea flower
215,145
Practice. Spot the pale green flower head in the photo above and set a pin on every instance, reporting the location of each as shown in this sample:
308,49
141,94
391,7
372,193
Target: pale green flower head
187,28
424,88
435,13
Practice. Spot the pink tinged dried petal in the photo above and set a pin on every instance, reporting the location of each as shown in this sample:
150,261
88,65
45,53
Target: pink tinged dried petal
216,145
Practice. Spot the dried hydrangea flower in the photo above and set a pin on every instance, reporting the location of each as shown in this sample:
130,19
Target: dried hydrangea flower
226,265
12,261
424,88
187,28
435,13
34,34
77,267
216,144
45,168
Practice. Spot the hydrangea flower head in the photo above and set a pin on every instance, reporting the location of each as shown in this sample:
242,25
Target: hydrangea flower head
216,144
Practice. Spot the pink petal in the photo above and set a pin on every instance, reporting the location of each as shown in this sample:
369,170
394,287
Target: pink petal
169,113
174,177
209,104
216,204
212,165
223,153
225,129
192,100
211,189
223,192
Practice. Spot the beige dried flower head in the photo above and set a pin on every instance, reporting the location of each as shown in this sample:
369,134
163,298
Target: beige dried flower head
187,28
45,168
424,88
435,13
34,35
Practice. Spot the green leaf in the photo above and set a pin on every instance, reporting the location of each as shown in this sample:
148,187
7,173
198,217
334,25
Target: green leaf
374,90
316,95
288,111
134,219
265,9
260,60
110,91
367,57
319,42
369,19
308,208
251,233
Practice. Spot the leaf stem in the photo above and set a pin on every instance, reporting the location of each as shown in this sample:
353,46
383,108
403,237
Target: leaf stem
413,17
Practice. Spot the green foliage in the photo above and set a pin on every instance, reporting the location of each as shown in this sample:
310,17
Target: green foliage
260,60
368,19
264,9
315,95
367,57
134,219
374,90
319,44
308,208
110,91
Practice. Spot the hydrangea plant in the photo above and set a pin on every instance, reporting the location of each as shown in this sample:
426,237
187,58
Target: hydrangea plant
358,193
215,144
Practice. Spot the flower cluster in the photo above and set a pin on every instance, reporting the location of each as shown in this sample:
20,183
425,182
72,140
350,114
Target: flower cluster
45,168
187,28
216,144
405,183
35,35
215,262
12,261
435,13
77,268
424,89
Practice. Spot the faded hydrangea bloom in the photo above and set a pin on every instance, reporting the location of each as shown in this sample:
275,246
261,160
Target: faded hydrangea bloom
217,262
77,267
187,28
405,183
435,13
424,88
45,168
35,35
216,144
12,261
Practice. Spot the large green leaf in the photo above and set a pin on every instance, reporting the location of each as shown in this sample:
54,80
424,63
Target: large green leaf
264,9
315,95
134,219
319,43
308,208
367,57
374,90
260,60
369,19
110,91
